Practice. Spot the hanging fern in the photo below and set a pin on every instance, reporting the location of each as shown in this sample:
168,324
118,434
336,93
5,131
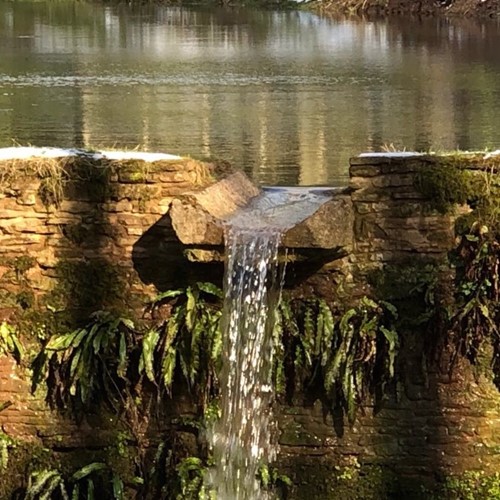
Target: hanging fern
190,339
343,350
109,357
51,483
88,364
475,314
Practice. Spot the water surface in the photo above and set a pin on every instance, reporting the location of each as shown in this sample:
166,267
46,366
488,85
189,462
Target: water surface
288,96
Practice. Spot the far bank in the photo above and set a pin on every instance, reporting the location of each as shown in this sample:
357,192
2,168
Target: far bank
454,8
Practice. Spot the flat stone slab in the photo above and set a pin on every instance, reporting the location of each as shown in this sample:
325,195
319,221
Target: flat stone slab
198,217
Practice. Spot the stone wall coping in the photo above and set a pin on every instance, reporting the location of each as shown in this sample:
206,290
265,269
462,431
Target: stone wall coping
390,154
27,152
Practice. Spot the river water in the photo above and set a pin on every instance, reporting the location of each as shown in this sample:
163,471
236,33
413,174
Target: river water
288,96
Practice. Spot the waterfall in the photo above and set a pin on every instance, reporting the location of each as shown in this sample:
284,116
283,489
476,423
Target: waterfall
244,430
242,439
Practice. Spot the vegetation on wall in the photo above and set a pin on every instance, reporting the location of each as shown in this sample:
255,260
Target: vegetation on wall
347,352
471,309
470,485
95,480
9,342
6,442
129,367
476,316
111,356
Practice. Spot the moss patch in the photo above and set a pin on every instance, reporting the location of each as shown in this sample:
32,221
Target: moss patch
462,180
85,286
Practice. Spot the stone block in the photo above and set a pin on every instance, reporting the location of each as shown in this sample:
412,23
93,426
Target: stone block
197,217
331,226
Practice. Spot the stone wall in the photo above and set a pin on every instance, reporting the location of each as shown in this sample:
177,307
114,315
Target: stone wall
105,227
78,235
432,424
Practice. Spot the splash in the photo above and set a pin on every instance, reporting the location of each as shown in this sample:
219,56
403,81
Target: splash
243,438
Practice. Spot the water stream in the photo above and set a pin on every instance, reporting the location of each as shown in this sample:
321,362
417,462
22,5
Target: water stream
243,438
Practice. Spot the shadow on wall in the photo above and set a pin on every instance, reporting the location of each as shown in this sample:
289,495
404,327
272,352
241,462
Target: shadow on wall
158,258
87,278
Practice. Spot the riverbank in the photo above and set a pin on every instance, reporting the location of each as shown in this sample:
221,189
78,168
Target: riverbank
455,8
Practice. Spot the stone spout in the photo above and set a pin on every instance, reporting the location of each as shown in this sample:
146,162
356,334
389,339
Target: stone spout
197,217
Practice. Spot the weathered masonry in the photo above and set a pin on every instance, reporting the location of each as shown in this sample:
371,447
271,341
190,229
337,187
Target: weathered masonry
81,234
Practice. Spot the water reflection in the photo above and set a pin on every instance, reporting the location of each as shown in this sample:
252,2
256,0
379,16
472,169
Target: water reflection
287,96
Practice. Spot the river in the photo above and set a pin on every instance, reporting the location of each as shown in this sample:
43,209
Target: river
287,96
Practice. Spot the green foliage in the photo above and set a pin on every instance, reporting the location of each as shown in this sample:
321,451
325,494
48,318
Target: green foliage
190,473
87,364
475,316
271,479
448,185
471,485
110,357
190,338
6,442
348,351
175,474
22,264
353,480
20,295
469,316
82,484
9,342
411,285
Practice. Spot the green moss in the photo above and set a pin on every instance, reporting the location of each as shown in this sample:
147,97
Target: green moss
463,180
84,286
447,186
15,289
470,485
368,482
18,266
76,233
23,263
25,298
38,325
412,287
134,171
26,459
7,298
89,180
23,457
352,481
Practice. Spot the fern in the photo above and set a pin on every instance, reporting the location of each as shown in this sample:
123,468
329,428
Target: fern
341,349
9,342
87,364
42,485
6,442
190,339
110,357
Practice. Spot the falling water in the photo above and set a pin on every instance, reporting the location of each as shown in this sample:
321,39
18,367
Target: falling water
242,439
